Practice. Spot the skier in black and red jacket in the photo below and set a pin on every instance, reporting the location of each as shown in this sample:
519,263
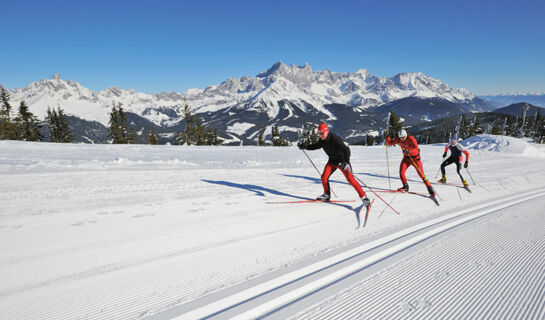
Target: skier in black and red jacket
339,158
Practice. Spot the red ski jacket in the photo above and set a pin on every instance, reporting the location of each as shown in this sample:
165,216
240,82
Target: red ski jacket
409,144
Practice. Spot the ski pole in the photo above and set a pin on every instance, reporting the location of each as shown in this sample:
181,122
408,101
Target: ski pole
438,171
388,165
470,176
417,168
317,171
439,168
387,160
376,194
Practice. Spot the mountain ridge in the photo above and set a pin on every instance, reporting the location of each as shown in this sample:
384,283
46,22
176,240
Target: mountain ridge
282,94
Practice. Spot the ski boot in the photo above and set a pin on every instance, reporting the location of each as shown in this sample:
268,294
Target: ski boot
466,185
324,197
431,191
366,201
443,179
404,188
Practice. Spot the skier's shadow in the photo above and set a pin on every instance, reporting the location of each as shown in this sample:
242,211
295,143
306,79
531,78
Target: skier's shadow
320,181
260,191
383,176
357,210
315,180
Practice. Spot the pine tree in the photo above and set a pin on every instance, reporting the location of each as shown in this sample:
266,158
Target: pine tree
28,126
309,134
540,131
217,140
277,139
120,131
128,133
195,132
465,128
510,125
446,137
395,125
497,128
260,140
152,137
274,135
52,124
539,127
65,133
369,140
59,130
473,127
8,129
116,133
212,137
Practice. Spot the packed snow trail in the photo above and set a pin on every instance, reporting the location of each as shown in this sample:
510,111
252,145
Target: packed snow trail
492,268
128,232
280,292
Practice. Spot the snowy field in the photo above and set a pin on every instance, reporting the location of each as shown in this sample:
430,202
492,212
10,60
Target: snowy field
131,232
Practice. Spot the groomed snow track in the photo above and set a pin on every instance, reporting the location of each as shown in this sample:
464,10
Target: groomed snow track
276,297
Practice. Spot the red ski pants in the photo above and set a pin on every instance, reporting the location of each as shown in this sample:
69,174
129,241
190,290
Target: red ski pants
405,163
329,169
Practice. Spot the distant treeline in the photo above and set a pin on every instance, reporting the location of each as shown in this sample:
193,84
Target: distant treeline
465,126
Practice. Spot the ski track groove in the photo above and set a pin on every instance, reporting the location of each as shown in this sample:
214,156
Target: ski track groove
484,284
475,280
415,280
355,303
371,315
539,298
530,295
517,283
519,291
476,306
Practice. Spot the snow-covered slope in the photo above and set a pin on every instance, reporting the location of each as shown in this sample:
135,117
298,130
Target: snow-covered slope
133,231
303,87
519,146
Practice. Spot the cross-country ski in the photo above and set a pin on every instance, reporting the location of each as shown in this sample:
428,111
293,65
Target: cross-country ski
310,201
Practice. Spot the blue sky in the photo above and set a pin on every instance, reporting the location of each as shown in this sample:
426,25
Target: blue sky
152,46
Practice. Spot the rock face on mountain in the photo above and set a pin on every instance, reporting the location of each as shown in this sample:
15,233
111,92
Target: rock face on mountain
354,104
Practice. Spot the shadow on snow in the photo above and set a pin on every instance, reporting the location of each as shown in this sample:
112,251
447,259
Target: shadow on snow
261,191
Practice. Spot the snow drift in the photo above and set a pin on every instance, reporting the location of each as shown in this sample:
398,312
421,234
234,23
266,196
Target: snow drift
495,143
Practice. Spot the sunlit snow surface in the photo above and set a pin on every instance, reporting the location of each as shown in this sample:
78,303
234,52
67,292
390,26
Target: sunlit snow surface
124,232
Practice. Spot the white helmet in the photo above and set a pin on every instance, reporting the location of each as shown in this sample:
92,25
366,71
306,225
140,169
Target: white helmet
402,133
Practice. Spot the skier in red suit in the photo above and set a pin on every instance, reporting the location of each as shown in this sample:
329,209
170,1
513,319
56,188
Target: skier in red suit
411,156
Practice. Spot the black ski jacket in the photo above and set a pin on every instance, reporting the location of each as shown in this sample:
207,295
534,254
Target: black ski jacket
334,147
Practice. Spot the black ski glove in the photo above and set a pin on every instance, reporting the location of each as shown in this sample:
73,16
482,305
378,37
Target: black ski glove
444,155
406,151
345,165
466,164
300,145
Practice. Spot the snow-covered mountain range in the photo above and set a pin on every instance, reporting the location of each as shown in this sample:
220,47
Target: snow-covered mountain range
502,100
283,95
